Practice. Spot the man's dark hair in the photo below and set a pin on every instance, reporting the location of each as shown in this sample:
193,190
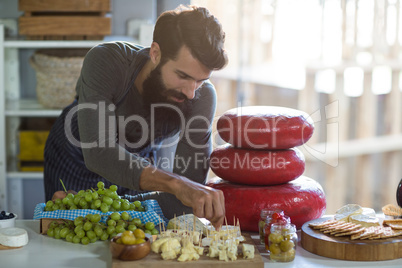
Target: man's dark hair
196,28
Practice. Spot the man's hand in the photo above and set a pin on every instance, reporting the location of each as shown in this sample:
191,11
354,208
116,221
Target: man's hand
206,202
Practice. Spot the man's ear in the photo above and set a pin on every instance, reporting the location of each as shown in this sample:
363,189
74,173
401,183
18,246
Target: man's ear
155,53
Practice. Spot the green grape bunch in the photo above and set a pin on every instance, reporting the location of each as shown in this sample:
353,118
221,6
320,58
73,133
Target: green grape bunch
89,229
103,199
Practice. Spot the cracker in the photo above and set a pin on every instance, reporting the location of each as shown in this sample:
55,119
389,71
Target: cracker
389,232
317,225
392,210
336,227
393,221
347,227
397,232
332,225
378,230
372,231
355,231
366,232
394,224
345,230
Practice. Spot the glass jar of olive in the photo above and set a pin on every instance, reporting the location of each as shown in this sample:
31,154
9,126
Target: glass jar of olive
266,214
276,217
282,242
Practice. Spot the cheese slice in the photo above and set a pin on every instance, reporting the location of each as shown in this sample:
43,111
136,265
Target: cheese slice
187,222
346,211
369,212
13,237
365,220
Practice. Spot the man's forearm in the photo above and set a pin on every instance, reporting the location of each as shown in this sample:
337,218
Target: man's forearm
153,179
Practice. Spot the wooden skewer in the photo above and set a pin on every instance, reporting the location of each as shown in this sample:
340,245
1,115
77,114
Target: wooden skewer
185,224
199,240
227,228
234,224
193,223
192,234
186,228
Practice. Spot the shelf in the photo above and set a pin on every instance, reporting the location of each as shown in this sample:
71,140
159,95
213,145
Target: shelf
29,108
25,175
21,43
13,172
50,43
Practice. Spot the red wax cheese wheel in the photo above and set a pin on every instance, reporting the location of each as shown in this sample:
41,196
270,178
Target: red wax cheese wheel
257,167
265,127
302,200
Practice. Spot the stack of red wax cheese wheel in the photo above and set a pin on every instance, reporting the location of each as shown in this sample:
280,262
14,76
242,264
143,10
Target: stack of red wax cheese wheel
261,167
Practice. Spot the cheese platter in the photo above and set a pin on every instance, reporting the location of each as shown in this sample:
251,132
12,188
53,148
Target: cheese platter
154,260
344,248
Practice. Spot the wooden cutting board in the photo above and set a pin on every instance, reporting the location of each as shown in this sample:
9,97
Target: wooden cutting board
154,260
343,248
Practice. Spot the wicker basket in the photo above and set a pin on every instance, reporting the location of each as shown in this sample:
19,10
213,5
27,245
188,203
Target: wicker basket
57,72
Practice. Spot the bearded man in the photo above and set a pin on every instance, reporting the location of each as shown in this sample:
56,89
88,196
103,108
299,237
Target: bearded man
129,100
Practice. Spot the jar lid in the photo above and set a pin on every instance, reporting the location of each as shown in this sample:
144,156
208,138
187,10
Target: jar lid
268,212
287,228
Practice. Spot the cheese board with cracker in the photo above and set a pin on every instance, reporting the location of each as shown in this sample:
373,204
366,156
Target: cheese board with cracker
354,234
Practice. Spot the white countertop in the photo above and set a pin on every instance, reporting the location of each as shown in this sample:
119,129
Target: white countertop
43,251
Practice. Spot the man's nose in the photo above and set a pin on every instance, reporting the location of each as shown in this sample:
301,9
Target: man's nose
190,88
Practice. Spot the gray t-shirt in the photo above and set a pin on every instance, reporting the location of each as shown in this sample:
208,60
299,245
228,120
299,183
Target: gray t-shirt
116,128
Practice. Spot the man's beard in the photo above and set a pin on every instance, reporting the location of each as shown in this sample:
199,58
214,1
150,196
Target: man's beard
155,92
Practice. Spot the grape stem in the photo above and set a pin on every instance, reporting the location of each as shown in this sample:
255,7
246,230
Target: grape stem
63,185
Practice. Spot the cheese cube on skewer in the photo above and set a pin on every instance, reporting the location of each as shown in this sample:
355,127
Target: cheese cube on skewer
248,251
199,250
223,255
169,255
171,244
213,252
156,245
188,257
